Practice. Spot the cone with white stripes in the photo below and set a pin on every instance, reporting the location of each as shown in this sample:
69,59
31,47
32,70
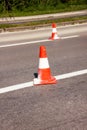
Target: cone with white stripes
44,72
54,32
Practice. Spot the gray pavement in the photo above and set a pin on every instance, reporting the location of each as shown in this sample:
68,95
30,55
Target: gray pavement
42,33
62,106
53,107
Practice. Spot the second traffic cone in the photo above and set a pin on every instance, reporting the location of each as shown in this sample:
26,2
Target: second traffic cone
54,32
44,72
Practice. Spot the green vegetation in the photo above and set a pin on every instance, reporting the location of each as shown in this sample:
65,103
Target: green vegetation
11,8
32,7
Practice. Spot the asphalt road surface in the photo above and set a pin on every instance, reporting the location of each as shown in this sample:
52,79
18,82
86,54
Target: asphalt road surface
61,106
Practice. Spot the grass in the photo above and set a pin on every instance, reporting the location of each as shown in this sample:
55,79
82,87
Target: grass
50,10
43,10
47,10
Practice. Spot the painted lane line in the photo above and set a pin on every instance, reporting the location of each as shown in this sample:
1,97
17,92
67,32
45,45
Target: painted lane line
32,42
16,87
70,37
72,74
30,84
24,43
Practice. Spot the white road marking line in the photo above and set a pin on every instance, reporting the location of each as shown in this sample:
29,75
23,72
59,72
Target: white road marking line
72,74
16,87
24,43
70,37
30,84
32,42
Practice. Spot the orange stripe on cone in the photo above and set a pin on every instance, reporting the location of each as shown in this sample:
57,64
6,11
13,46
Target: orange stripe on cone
54,32
44,72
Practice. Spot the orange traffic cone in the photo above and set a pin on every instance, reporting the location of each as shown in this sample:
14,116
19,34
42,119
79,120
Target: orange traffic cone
44,73
54,32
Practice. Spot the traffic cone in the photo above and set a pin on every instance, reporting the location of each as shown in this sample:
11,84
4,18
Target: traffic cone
44,72
54,32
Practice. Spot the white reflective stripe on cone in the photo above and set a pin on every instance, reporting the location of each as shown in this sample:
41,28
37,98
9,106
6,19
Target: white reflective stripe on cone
54,30
43,63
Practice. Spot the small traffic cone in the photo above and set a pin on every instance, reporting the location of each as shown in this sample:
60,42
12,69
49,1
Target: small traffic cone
54,32
44,73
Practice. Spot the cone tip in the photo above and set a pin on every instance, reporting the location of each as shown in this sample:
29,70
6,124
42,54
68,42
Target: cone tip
42,53
53,25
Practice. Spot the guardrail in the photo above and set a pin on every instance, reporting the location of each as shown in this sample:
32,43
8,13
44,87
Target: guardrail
19,20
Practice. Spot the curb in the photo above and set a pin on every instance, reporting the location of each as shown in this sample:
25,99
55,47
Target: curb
13,29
